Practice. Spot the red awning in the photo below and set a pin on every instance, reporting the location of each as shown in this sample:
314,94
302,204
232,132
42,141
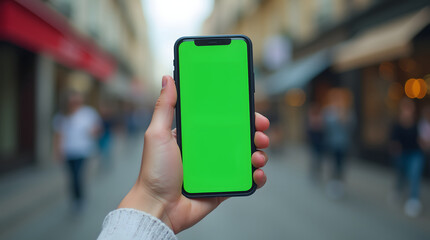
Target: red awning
33,25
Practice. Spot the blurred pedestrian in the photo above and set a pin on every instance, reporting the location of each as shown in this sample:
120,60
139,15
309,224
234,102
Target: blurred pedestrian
277,128
408,156
131,121
76,130
106,134
315,132
338,125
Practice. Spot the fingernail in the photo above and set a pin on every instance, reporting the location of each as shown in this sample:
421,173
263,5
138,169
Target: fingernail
163,82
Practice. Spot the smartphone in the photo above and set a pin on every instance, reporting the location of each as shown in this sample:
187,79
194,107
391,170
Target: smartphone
215,114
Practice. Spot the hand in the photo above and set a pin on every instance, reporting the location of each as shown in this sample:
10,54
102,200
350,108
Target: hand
158,189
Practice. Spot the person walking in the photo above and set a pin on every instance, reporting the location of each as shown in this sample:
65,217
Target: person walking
408,156
338,126
315,133
106,135
76,130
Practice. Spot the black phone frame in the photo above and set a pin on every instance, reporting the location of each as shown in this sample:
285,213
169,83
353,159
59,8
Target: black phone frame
216,40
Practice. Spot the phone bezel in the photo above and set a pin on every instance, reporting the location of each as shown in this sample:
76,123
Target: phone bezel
216,40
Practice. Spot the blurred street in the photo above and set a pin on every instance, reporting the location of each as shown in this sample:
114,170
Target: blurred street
344,83
52,217
290,206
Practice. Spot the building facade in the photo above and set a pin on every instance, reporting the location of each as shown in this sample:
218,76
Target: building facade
302,49
48,47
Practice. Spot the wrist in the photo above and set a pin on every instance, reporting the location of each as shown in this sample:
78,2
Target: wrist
139,198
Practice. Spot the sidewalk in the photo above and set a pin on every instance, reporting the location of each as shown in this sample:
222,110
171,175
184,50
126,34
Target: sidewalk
290,206
23,192
34,204
370,183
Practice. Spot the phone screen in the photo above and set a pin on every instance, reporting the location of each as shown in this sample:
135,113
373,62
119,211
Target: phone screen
214,90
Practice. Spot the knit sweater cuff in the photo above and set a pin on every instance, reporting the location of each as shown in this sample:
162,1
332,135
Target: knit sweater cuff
127,223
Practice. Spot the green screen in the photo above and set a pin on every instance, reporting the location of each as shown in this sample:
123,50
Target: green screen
215,117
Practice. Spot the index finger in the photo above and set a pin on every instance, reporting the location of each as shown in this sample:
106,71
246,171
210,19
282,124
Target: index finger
261,122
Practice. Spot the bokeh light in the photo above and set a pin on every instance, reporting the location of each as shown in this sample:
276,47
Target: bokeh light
427,80
416,88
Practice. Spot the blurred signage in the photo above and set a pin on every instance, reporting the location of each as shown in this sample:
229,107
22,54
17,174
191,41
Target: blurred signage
36,27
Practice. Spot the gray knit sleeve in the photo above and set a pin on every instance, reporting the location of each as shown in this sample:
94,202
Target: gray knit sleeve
132,224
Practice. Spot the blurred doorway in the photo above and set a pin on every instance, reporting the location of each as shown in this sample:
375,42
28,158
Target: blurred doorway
17,112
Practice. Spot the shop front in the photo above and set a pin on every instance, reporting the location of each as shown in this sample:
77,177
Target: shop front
40,51
377,65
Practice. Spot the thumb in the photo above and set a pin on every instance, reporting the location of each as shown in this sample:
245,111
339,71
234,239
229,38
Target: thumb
164,108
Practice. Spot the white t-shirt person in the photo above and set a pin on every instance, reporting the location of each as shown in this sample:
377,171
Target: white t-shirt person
77,132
